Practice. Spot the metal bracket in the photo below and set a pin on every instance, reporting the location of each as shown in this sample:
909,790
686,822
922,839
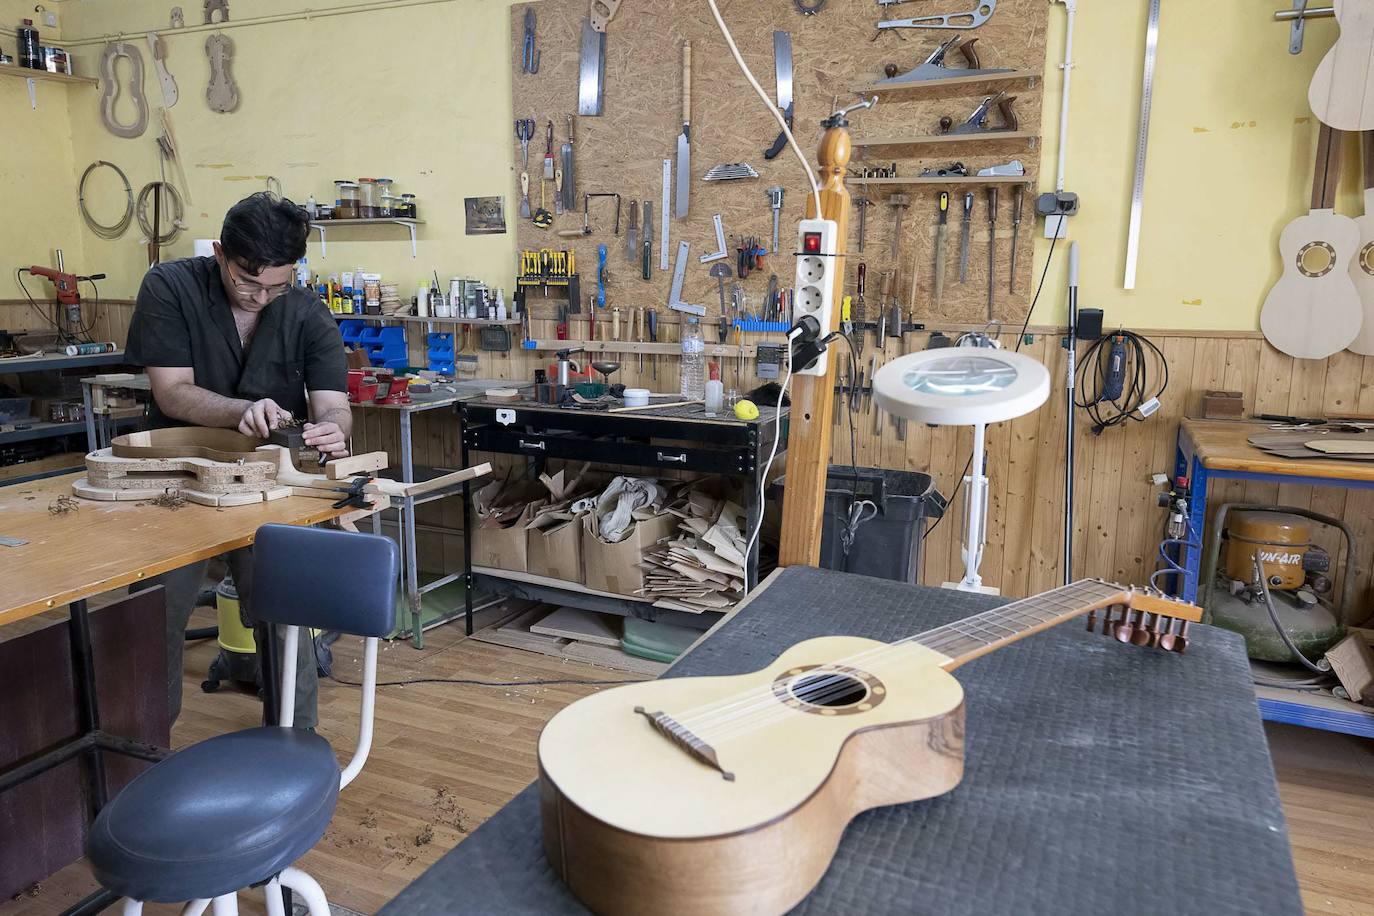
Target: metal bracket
721,250
324,247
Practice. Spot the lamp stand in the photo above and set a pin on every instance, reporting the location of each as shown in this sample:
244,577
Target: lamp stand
975,518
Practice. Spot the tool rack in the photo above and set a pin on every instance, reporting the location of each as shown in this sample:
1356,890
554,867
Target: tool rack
672,438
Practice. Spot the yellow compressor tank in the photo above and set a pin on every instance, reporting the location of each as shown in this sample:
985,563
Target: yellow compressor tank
1281,540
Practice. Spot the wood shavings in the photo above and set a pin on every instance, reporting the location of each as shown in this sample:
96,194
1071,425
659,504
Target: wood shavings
62,505
172,499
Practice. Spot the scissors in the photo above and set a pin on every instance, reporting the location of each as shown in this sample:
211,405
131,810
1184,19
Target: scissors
530,59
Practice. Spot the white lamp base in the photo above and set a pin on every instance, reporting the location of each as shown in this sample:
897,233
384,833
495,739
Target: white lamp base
979,589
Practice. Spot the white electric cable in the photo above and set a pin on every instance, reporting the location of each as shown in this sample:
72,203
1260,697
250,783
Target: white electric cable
773,453
773,109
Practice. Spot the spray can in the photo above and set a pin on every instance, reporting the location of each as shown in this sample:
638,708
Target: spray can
89,349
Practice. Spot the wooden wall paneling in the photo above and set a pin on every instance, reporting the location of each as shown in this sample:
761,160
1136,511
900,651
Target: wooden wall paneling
1340,393
1047,524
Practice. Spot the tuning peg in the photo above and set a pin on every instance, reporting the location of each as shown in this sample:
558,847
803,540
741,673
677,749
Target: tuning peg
1175,642
1142,635
1125,630
1092,619
1159,619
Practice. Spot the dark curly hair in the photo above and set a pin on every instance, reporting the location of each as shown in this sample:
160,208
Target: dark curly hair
264,230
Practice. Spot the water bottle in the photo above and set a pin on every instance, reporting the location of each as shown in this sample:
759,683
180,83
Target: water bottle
693,361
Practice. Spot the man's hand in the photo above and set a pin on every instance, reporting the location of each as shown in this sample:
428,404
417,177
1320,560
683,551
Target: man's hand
261,418
327,438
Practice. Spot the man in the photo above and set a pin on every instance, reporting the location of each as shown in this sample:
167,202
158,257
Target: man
228,341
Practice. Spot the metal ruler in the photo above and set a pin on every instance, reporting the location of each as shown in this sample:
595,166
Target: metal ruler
666,214
1142,141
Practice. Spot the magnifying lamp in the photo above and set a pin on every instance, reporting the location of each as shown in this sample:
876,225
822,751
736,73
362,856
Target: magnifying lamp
964,386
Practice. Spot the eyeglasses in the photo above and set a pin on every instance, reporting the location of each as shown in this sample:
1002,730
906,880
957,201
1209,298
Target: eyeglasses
253,290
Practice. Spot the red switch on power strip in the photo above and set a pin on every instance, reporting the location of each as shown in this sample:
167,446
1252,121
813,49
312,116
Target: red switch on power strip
811,243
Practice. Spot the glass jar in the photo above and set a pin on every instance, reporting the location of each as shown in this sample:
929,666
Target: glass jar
345,200
408,208
385,200
368,204
391,205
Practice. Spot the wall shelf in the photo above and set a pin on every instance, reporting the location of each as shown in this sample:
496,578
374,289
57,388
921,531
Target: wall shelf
322,226
415,319
991,136
948,181
30,76
989,79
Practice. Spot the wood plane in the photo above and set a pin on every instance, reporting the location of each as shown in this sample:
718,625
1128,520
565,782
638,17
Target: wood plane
715,795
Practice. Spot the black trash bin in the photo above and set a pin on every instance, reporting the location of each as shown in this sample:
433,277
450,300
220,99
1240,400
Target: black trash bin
886,541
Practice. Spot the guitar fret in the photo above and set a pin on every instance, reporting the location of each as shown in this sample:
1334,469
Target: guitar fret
1001,624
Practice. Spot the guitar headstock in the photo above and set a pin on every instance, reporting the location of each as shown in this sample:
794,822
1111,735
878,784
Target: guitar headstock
1148,618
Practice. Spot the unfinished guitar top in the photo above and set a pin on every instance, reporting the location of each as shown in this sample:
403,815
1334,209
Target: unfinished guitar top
188,442
1342,89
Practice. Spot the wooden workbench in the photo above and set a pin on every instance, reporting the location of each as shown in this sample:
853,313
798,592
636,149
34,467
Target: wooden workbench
106,545
1222,445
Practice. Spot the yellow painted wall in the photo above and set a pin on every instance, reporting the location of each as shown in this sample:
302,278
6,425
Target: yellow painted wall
427,104
35,167
1230,159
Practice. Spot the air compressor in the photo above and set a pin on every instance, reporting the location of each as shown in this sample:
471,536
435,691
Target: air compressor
1256,549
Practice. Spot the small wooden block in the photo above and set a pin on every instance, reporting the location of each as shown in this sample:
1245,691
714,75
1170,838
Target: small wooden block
344,468
1353,663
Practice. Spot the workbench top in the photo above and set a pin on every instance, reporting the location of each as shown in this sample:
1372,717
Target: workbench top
1223,445
106,545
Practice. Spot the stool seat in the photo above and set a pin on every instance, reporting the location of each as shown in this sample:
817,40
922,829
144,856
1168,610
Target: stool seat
218,816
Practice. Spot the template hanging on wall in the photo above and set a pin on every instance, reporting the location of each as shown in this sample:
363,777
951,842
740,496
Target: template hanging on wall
109,81
222,93
1340,93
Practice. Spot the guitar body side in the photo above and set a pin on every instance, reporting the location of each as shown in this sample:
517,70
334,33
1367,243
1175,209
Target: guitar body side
1313,315
766,870
1362,272
1342,89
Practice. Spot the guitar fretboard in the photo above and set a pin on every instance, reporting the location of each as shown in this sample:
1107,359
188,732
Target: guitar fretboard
966,639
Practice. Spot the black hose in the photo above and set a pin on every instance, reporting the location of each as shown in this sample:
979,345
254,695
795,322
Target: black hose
1274,616
196,633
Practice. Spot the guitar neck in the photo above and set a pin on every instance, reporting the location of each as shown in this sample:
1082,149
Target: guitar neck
1327,171
964,640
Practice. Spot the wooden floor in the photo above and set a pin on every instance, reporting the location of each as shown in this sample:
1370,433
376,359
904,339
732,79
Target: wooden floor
447,756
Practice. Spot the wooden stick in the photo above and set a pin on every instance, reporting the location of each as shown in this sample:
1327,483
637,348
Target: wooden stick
652,406
343,468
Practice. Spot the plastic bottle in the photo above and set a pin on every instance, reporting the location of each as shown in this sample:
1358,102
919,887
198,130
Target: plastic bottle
422,300
302,273
501,305
693,375
30,50
715,392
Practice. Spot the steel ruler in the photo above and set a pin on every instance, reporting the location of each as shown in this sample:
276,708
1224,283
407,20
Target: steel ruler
666,214
1141,143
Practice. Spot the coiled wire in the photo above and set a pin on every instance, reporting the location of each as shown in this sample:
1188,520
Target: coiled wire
115,230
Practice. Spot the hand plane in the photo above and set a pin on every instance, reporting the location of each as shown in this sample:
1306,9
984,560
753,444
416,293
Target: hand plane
977,123
933,67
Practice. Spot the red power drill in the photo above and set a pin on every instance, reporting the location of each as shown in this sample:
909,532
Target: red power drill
65,286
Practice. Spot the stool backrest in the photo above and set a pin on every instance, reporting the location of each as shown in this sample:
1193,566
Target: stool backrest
328,580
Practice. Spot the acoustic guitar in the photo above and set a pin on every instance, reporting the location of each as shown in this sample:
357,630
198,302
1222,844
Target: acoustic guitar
1362,268
715,795
1342,89
1314,310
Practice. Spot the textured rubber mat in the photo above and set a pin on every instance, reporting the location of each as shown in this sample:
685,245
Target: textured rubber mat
1100,779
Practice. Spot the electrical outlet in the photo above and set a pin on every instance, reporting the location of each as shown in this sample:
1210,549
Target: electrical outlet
815,280
50,19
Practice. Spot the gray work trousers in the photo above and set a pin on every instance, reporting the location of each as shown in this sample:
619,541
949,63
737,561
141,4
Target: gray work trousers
181,588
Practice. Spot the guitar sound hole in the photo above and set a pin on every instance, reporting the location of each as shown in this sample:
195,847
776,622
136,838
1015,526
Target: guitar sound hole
1367,259
829,689
1316,259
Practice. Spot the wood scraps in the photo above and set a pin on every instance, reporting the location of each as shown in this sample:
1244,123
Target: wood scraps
222,93
110,89
702,566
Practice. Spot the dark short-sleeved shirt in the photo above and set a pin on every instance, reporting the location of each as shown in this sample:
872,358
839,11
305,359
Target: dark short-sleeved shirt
183,319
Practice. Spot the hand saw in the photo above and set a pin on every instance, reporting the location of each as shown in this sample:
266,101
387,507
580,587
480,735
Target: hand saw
591,73
782,65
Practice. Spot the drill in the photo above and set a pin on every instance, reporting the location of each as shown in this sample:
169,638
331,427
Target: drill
68,295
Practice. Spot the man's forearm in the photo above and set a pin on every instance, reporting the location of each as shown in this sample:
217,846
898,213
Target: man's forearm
343,416
193,404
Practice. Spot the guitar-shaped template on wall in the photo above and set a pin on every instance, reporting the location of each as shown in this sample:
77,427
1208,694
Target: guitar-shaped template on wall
221,93
1362,268
1342,89
716,795
1314,310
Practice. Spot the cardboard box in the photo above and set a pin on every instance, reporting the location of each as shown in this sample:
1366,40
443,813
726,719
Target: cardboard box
615,567
504,547
555,546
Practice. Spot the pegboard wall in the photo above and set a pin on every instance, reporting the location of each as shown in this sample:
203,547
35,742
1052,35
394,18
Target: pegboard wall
834,54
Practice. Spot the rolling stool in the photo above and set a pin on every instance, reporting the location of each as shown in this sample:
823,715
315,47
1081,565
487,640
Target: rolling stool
237,810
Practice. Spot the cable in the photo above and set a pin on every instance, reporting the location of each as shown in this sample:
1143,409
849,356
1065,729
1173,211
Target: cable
772,453
117,229
476,683
772,109
172,209
19,278
1106,411
1020,339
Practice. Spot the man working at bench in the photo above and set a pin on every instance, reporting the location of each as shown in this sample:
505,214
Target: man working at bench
228,341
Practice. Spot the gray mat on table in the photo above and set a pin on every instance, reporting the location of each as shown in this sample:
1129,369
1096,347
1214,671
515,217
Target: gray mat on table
1100,779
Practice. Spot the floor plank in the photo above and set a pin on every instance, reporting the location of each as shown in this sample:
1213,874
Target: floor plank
447,756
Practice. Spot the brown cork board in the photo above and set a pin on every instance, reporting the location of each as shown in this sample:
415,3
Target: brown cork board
623,150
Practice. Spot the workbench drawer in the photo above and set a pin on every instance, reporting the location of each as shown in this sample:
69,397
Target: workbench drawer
609,450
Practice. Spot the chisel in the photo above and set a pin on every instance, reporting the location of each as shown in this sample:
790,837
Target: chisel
941,236
992,245
632,234
1016,197
639,337
651,316
963,236
566,160
648,244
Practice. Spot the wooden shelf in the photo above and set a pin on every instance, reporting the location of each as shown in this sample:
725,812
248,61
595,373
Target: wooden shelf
415,319
24,73
991,136
947,181
989,79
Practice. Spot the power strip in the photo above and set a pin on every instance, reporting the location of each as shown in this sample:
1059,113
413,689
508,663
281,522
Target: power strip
815,281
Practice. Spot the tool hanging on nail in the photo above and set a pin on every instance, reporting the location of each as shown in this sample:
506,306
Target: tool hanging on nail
992,247
684,139
591,71
964,236
898,203
972,19
721,251
860,286
651,322
775,204
524,131
863,204
632,234
933,68
648,244
782,66
665,214
1017,195
529,56
548,152
558,196
941,237
569,181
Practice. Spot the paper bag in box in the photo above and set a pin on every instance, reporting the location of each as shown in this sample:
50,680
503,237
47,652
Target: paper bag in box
615,567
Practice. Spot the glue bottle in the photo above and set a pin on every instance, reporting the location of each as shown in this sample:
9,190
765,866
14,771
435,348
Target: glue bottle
715,392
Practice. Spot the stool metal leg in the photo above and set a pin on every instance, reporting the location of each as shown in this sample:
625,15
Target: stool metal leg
131,907
225,905
271,893
195,907
308,888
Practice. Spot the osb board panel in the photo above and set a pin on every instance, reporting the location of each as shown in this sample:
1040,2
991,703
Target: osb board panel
622,151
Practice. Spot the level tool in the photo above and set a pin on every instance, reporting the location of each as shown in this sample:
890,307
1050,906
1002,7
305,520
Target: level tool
1142,141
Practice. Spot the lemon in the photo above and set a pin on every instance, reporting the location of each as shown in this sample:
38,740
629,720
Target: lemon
746,410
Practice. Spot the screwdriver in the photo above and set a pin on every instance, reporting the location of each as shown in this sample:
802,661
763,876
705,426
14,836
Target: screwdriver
639,337
652,317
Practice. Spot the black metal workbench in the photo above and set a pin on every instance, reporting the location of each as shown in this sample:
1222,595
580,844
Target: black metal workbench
1100,779
679,438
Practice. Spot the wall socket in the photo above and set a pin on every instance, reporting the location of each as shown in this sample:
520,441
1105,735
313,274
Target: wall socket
815,281
50,19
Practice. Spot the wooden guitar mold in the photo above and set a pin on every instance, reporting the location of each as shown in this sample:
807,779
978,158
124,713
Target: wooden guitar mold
1342,89
216,6
109,82
222,93
1362,268
1314,309
158,49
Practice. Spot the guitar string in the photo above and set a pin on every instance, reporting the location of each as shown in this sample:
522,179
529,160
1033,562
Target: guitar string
942,637
750,720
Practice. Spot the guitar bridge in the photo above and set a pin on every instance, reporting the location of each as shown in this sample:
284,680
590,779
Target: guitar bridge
683,737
